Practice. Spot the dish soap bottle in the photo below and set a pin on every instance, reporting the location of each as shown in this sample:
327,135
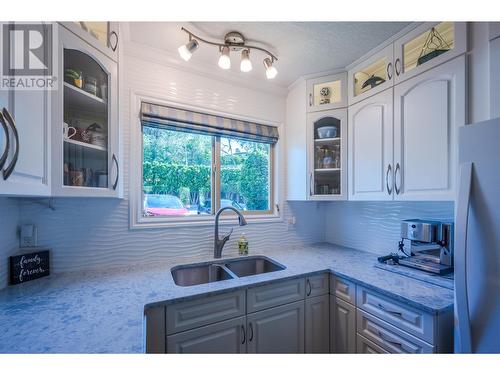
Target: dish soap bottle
243,245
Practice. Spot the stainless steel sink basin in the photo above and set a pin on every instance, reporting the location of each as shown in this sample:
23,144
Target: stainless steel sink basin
199,274
195,274
253,266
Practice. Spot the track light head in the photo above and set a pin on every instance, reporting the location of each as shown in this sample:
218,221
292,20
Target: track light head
271,70
246,64
186,50
224,59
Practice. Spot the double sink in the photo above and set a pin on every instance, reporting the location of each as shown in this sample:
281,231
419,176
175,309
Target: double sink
202,273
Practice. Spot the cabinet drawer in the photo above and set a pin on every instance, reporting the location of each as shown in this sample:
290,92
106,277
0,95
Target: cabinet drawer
264,297
389,337
206,310
343,289
409,319
317,285
365,346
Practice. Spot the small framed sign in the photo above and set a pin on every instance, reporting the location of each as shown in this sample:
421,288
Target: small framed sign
26,267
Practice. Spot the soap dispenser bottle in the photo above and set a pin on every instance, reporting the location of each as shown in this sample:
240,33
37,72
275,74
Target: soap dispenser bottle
243,245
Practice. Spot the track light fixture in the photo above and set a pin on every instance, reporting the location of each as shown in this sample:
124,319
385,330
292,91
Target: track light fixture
233,41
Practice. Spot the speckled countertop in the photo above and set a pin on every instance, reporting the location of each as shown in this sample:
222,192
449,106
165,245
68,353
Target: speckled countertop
102,311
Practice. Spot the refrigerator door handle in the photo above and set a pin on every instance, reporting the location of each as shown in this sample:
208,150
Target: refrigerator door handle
461,226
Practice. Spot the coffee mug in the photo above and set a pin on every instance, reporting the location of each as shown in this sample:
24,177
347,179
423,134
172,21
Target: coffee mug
68,131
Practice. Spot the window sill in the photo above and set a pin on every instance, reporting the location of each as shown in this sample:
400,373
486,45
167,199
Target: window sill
161,222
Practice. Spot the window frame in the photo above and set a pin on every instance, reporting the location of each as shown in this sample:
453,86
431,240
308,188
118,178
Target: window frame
138,221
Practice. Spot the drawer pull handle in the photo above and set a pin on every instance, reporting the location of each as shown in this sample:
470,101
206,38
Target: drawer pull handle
397,313
384,337
309,286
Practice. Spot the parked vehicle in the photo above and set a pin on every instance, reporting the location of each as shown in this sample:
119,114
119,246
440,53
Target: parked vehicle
164,205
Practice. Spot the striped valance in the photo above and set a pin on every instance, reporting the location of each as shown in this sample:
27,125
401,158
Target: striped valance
202,123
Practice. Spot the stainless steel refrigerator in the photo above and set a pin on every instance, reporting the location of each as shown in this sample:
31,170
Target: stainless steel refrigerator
477,240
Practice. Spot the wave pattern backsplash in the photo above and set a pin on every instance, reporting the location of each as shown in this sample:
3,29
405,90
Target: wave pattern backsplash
9,215
375,226
94,233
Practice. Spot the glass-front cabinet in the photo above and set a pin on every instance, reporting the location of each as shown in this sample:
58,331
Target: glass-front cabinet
85,123
427,46
327,92
373,75
327,164
102,35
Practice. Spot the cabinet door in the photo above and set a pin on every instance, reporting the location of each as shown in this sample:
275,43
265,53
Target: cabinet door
225,337
30,114
343,326
428,109
85,122
370,148
277,330
317,328
102,35
373,75
327,155
328,92
428,46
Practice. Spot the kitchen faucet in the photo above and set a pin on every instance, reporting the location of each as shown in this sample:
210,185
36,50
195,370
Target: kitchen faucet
219,242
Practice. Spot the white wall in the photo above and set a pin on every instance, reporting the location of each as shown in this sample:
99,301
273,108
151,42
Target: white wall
375,226
89,233
9,216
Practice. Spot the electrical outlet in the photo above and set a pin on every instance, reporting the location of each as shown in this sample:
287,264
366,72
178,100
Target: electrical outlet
290,223
28,236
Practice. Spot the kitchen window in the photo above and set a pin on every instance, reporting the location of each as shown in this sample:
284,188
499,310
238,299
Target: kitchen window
195,163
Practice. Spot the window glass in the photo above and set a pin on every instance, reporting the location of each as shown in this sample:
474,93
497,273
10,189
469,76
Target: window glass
177,173
245,174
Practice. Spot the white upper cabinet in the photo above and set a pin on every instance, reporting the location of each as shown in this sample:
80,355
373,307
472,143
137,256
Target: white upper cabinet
372,76
85,135
427,46
327,92
327,155
102,35
25,143
370,148
428,109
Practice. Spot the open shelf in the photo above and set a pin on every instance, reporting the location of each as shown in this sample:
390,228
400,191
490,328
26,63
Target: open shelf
326,140
326,169
81,99
84,144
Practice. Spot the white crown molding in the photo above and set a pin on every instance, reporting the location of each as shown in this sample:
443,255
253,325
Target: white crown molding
167,58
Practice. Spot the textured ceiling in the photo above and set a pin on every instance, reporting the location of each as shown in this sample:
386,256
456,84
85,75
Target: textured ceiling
302,47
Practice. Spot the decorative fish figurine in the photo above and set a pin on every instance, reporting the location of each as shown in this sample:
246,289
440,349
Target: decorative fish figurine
373,81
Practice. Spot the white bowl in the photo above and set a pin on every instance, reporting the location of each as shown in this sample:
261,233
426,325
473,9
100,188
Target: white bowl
327,132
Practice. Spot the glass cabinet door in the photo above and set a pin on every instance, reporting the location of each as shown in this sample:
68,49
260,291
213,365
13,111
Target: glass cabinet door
102,35
327,164
327,92
371,76
86,121
427,46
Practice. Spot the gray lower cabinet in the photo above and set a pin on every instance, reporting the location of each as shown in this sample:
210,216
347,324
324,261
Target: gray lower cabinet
277,330
342,326
317,328
225,337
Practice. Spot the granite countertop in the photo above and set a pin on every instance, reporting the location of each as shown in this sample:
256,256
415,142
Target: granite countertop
102,311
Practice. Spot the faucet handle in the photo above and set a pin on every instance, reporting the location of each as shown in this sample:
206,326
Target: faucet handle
226,236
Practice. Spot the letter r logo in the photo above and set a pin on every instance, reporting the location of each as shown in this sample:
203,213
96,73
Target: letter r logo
27,49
